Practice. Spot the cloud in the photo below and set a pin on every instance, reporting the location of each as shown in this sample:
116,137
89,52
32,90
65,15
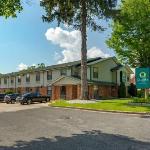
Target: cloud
70,42
96,52
22,66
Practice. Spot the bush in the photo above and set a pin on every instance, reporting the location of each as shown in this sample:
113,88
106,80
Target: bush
140,93
141,100
122,90
9,92
132,90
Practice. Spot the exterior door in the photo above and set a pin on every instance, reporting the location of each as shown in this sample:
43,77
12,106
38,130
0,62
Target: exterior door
63,92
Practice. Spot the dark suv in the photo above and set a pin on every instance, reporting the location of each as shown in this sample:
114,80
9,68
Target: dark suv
29,98
2,97
11,98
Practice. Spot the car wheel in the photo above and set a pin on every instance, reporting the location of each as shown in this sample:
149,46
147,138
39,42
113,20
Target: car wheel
22,103
13,101
29,101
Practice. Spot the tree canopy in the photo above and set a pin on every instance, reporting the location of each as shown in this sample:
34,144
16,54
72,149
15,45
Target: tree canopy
131,33
80,14
69,12
9,8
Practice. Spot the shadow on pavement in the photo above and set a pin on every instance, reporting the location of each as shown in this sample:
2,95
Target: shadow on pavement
88,140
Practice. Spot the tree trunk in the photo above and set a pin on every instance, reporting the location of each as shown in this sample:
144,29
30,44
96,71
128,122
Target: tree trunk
84,84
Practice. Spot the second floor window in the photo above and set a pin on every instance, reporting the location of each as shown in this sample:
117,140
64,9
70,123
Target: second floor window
95,72
63,72
38,76
5,80
19,79
12,81
49,75
28,78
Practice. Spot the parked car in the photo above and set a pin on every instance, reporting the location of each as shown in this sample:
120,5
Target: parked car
2,97
29,98
11,98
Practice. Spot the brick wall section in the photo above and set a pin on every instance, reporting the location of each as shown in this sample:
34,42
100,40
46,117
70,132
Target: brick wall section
22,90
43,91
115,91
69,92
78,91
74,92
108,91
91,92
55,92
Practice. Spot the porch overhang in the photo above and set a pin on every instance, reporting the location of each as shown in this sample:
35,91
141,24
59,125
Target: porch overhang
66,80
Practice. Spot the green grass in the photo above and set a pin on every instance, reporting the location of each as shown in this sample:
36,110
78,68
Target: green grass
107,105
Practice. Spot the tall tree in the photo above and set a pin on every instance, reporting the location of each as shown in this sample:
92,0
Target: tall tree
131,33
9,8
80,14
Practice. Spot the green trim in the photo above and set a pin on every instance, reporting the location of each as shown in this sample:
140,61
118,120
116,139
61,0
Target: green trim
101,83
90,73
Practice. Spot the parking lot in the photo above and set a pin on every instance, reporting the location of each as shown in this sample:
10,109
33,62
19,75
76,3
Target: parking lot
18,107
39,127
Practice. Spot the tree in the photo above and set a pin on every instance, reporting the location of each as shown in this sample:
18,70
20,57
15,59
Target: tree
132,90
9,8
80,14
41,66
131,33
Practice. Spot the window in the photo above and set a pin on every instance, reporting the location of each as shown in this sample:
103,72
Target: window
19,79
49,75
124,77
12,81
49,90
28,78
5,80
38,76
95,72
63,72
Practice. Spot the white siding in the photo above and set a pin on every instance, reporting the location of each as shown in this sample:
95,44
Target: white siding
104,70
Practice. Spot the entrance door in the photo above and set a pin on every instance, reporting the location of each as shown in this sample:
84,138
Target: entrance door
63,92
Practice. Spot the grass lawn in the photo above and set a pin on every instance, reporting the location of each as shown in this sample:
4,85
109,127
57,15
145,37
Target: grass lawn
107,105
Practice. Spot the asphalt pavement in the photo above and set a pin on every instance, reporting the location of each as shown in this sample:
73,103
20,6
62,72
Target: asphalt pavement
39,127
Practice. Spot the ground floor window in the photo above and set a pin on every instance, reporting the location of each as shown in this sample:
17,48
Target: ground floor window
49,90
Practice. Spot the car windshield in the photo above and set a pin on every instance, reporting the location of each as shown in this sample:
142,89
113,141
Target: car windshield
9,94
26,94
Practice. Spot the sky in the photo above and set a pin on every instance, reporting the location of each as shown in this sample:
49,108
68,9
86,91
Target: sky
26,41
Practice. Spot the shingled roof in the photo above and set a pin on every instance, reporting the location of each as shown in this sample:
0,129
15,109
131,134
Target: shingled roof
58,66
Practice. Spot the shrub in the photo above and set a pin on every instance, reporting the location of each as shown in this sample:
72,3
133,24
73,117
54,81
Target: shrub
140,93
122,90
9,92
132,90
140,100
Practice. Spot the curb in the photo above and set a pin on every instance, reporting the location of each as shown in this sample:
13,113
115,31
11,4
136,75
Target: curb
105,111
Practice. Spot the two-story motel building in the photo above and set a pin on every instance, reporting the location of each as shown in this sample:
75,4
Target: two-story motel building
62,81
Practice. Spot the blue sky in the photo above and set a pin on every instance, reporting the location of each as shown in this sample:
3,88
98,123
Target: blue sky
23,40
